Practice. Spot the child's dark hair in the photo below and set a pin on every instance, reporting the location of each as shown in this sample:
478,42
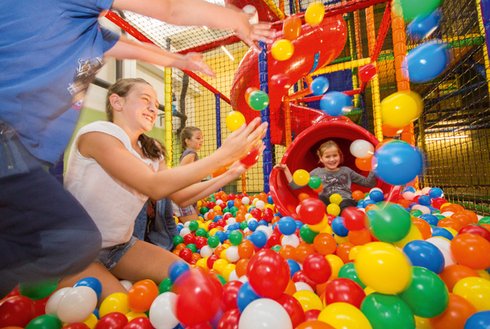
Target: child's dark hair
187,133
151,147
328,144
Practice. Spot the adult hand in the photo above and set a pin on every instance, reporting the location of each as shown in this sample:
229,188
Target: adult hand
195,62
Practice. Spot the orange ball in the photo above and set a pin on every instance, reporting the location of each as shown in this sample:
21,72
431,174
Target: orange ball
343,251
454,317
246,249
291,288
423,226
141,295
302,196
241,267
364,163
287,252
359,237
357,195
302,251
471,250
324,244
451,223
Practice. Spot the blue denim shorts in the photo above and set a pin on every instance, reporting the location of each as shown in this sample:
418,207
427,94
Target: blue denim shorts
110,256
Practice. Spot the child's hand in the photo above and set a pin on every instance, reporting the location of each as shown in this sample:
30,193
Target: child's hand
241,141
195,62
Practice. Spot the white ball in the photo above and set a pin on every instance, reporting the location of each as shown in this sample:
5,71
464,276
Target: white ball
54,300
162,314
232,254
126,284
264,313
300,285
246,200
206,251
260,205
266,229
184,231
290,240
361,148
444,245
77,304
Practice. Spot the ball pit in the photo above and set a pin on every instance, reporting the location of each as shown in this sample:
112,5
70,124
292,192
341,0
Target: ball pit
251,267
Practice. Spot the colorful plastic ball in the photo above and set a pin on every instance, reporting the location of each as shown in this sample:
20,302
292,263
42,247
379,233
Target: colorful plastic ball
454,317
354,219
436,192
317,268
427,295
398,163
245,296
383,267
264,313
423,26
77,304
251,158
258,100
376,195
319,86
389,223
286,225
338,227
291,28
308,300
314,182
306,234
344,315
335,198
334,103
401,108
301,177
258,238
16,311
427,61
234,120
424,254
361,148
141,295
468,250
268,273
475,290
348,271
39,289
282,49
333,209
479,320
46,321
293,307
311,211
410,9
344,290
162,311
177,269
115,302
90,282
314,324
387,311
314,13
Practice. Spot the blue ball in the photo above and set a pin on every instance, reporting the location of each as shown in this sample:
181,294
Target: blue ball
435,192
398,163
287,225
293,267
423,26
258,238
440,231
338,226
376,195
334,102
424,200
425,254
409,189
177,269
427,61
478,320
245,296
431,219
319,86
90,282
252,225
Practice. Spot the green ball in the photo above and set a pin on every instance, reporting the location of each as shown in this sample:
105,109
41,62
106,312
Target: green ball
427,294
348,271
38,290
416,213
193,225
306,234
221,279
235,237
192,247
243,225
213,241
387,311
46,321
484,220
389,223
202,232
276,248
203,210
258,100
314,182
165,285
413,8
177,240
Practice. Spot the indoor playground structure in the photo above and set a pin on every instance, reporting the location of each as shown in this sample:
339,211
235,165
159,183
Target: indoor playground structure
403,88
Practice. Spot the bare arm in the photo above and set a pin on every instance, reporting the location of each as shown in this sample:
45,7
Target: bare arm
285,169
200,13
128,49
189,158
118,162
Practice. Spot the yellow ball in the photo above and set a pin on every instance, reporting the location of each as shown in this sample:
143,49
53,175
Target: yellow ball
475,290
133,315
116,302
320,226
335,264
401,108
413,234
234,120
333,209
219,265
335,198
202,263
383,267
91,321
314,13
308,300
344,315
282,49
301,177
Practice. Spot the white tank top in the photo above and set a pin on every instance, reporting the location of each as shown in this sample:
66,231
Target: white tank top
112,205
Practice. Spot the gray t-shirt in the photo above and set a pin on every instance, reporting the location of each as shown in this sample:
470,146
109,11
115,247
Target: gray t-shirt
340,181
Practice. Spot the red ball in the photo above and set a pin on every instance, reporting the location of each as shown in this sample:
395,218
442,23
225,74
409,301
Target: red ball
230,294
251,158
139,323
268,273
293,307
80,325
16,311
311,211
189,238
354,219
186,254
230,319
317,268
344,290
475,229
114,320
300,276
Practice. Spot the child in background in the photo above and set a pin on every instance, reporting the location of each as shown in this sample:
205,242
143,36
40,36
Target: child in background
191,139
114,167
46,70
335,178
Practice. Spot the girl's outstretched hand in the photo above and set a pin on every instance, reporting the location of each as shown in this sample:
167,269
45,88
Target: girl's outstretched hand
252,32
240,142
195,62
